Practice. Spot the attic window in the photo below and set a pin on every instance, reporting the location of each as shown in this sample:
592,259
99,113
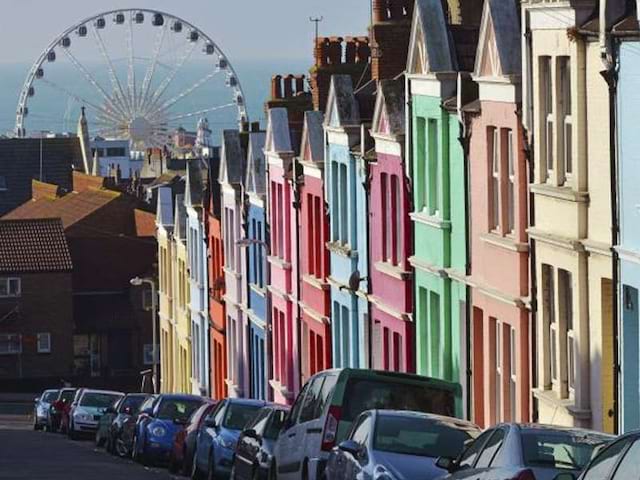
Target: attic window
3,184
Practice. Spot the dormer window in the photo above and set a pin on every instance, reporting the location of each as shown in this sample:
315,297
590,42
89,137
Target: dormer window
10,287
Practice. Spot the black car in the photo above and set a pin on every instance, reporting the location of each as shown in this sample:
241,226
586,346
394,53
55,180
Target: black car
121,432
254,453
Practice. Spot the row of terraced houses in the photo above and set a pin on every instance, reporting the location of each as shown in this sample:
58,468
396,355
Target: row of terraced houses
454,195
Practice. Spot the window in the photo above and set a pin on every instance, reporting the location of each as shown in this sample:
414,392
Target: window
116,152
512,374
468,457
566,145
10,287
281,226
292,419
433,168
421,200
434,334
310,409
3,183
318,220
343,213
567,327
604,463
628,467
496,328
384,198
491,449
546,100
10,344
335,203
494,185
44,343
396,218
361,432
511,182
544,448
550,324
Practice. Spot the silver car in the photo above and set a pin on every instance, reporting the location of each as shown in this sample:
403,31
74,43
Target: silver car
42,407
90,407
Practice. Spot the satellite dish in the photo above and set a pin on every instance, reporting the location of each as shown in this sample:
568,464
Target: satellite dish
354,281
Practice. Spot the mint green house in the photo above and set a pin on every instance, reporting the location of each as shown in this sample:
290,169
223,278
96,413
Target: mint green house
437,173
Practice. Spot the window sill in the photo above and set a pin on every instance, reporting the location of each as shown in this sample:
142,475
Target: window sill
280,388
316,282
279,262
430,220
231,272
561,193
568,404
507,242
260,291
392,270
343,249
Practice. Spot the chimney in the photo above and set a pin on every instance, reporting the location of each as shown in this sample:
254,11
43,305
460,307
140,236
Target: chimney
335,56
294,96
464,12
390,34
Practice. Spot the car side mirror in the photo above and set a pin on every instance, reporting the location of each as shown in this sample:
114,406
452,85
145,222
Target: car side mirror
565,476
350,447
446,463
210,423
251,433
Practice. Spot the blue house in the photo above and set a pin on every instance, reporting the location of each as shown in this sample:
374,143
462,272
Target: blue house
348,242
256,234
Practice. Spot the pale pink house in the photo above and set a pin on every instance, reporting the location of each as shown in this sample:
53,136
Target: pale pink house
498,222
391,237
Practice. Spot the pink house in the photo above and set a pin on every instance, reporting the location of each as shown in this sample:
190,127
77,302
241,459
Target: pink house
390,239
315,292
282,258
498,223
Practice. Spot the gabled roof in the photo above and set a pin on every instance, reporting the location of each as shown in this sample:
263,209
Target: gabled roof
388,118
312,147
232,160
431,48
180,218
33,246
194,187
256,171
278,132
499,49
342,106
164,212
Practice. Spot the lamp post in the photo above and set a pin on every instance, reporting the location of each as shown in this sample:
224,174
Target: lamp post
137,282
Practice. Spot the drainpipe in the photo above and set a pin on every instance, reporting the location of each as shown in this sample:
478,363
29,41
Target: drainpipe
367,193
408,159
295,187
610,74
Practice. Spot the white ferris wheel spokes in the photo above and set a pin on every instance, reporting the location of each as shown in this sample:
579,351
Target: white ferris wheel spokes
144,103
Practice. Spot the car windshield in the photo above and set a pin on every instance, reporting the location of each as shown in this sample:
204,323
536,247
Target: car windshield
366,394
67,396
98,399
275,425
563,450
49,396
171,409
132,403
238,416
425,437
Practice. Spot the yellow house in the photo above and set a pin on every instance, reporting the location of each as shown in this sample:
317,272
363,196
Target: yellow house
565,110
175,334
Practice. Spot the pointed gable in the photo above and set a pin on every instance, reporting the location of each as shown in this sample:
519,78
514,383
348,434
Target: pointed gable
164,211
499,53
342,106
256,171
430,46
278,133
388,118
180,218
231,159
194,187
312,147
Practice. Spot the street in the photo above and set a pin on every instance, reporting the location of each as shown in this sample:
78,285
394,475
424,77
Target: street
27,454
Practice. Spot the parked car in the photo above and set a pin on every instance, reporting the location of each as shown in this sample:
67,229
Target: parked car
398,444
127,408
619,460
67,412
62,403
525,452
88,410
42,408
329,403
254,453
181,455
155,432
217,439
124,427
128,402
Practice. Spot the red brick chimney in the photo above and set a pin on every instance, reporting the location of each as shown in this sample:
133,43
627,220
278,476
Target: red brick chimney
337,55
390,34
463,12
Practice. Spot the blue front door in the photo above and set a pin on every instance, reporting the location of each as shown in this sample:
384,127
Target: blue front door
258,363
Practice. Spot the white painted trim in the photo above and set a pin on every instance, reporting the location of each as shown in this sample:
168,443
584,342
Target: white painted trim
628,255
337,137
388,146
498,92
389,310
312,169
547,16
256,200
311,312
425,85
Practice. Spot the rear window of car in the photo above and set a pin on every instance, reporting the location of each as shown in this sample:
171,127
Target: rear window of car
67,395
49,397
132,403
423,437
368,394
561,450
171,409
238,416
99,400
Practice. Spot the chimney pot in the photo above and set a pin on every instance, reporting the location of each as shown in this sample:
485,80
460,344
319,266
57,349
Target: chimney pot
379,10
299,79
335,50
350,50
288,86
363,49
322,51
276,87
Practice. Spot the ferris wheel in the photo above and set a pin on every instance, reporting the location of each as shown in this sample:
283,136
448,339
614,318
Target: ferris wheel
139,73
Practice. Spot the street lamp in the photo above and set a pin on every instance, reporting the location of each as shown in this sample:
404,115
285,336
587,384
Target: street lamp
137,282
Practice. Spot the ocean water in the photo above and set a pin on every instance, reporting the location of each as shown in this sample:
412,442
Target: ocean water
54,108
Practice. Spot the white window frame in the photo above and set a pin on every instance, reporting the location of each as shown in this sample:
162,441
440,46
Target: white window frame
547,111
499,371
564,95
513,376
494,221
565,278
7,337
511,184
7,291
44,348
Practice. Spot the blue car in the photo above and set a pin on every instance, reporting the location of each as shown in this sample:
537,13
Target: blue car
398,445
158,424
217,438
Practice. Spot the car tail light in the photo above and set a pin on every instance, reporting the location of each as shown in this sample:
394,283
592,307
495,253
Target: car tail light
331,428
525,475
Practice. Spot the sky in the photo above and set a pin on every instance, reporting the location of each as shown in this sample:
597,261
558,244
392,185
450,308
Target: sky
244,29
